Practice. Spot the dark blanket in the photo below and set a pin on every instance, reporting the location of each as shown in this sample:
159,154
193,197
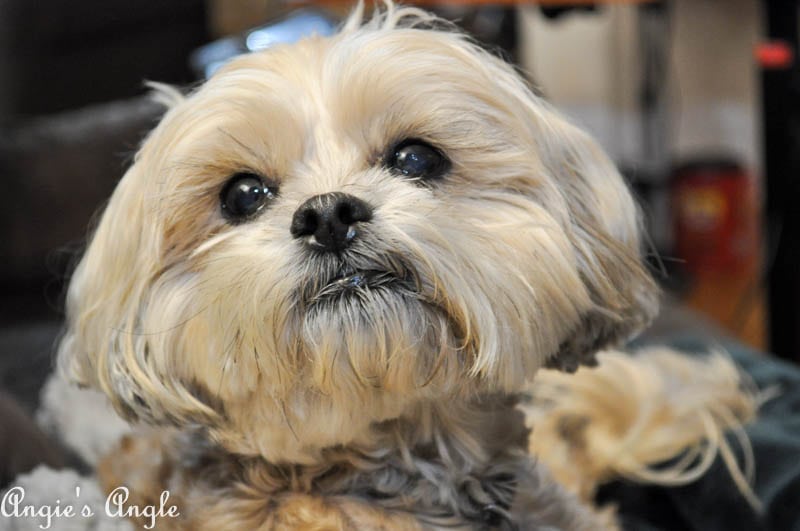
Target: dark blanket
713,502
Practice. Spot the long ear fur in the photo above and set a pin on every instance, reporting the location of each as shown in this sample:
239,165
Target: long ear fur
105,345
605,231
103,303
604,224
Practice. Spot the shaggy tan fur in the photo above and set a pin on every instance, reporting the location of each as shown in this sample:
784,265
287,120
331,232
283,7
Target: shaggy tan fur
386,403
634,413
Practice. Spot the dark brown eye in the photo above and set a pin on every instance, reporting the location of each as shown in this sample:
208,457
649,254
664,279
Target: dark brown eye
418,159
244,195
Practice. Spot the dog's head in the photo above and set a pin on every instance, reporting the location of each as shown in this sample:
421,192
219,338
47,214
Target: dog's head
326,234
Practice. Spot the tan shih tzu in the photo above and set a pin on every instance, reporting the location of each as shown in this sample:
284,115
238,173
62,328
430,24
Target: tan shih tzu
329,273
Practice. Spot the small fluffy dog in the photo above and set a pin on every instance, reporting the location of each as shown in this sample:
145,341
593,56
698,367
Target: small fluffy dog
329,273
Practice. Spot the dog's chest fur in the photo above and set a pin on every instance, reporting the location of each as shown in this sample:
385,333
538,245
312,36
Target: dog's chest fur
470,475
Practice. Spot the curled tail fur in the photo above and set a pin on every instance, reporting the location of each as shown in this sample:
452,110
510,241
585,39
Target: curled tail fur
635,412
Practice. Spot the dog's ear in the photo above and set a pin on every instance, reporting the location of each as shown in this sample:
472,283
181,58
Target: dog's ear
605,230
107,344
101,346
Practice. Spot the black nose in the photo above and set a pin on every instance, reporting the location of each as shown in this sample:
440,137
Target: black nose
328,220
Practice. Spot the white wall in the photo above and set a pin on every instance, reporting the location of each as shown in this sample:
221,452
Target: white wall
715,101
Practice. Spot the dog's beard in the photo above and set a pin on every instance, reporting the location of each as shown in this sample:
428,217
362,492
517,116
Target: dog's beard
308,350
372,315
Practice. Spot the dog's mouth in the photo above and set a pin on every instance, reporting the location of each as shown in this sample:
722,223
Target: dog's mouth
349,281
362,279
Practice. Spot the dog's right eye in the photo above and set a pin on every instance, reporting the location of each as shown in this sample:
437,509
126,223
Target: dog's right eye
417,159
244,195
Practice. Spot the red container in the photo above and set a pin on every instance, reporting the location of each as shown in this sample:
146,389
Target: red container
715,214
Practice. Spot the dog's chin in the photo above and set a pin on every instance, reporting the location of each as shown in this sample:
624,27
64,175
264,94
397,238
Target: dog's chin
375,325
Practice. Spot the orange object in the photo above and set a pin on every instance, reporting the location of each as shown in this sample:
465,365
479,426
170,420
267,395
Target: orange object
717,237
715,216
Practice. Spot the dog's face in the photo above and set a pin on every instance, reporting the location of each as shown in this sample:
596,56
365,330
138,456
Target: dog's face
327,234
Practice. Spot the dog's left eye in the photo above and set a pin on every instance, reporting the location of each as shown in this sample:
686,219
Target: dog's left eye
417,159
244,195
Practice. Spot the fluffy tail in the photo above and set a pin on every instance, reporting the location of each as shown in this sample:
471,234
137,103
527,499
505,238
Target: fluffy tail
634,412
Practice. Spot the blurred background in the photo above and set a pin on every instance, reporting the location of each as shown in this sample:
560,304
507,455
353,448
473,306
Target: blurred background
696,100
